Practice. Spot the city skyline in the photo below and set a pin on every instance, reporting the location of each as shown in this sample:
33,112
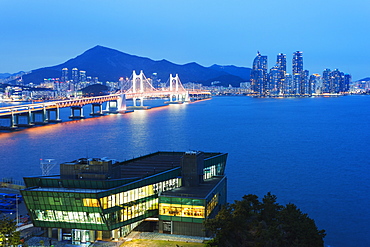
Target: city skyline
279,82
40,34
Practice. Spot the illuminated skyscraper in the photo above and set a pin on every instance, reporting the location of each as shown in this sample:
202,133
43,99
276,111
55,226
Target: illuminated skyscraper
281,66
281,62
297,62
304,86
82,76
326,81
314,84
297,69
336,81
75,75
288,85
259,75
273,81
346,83
64,75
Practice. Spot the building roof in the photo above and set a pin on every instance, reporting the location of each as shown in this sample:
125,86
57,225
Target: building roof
153,163
150,164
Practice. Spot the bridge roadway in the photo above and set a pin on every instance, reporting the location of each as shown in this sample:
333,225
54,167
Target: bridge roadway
19,109
30,110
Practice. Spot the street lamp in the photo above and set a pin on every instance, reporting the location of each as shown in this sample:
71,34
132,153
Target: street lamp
16,205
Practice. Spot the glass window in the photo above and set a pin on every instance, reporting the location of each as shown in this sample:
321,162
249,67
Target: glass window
90,202
181,210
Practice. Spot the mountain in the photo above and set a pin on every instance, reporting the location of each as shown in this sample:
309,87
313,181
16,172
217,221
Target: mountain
365,79
4,75
109,65
241,72
7,75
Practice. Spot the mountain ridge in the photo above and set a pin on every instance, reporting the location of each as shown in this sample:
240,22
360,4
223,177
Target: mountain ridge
109,65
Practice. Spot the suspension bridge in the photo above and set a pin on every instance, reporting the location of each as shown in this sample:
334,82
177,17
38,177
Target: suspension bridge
137,88
140,88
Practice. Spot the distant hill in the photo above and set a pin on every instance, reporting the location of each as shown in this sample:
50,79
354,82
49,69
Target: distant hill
365,79
241,72
109,65
95,90
4,75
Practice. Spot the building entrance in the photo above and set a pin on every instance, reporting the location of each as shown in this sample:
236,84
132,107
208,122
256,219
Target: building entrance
80,236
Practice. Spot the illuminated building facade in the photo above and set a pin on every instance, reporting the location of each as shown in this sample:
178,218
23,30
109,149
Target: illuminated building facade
326,81
305,84
75,76
278,83
82,76
259,75
203,191
277,76
297,72
96,199
64,77
335,82
315,85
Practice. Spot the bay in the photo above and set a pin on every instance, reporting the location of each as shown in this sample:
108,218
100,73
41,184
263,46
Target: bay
313,152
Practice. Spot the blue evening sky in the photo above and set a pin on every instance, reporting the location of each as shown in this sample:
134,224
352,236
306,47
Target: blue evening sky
331,34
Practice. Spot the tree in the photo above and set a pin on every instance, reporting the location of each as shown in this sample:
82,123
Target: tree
250,222
8,234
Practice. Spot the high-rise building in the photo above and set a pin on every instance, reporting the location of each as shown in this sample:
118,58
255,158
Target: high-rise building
274,81
281,62
259,75
281,66
297,63
288,87
336,81
304,86
326,81
155,80
82,76
297,69
95,80
64,77
347,82
75,76
314,84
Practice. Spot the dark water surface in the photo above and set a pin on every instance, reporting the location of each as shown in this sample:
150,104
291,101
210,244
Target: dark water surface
313,152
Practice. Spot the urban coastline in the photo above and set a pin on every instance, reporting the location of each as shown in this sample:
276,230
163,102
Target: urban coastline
277,82
163,195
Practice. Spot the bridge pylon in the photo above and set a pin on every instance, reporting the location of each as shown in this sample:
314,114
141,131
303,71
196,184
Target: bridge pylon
178,89
118,105
137,82
140,86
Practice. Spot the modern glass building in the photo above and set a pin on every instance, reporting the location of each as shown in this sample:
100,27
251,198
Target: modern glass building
297,70
259,75
100,199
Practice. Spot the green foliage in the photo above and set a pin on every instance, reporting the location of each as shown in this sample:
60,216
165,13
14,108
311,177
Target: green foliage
8,234
250,222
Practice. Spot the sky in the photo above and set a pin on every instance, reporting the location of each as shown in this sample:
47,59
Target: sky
331,34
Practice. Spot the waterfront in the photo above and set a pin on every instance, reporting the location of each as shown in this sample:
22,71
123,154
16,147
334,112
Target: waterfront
309,151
